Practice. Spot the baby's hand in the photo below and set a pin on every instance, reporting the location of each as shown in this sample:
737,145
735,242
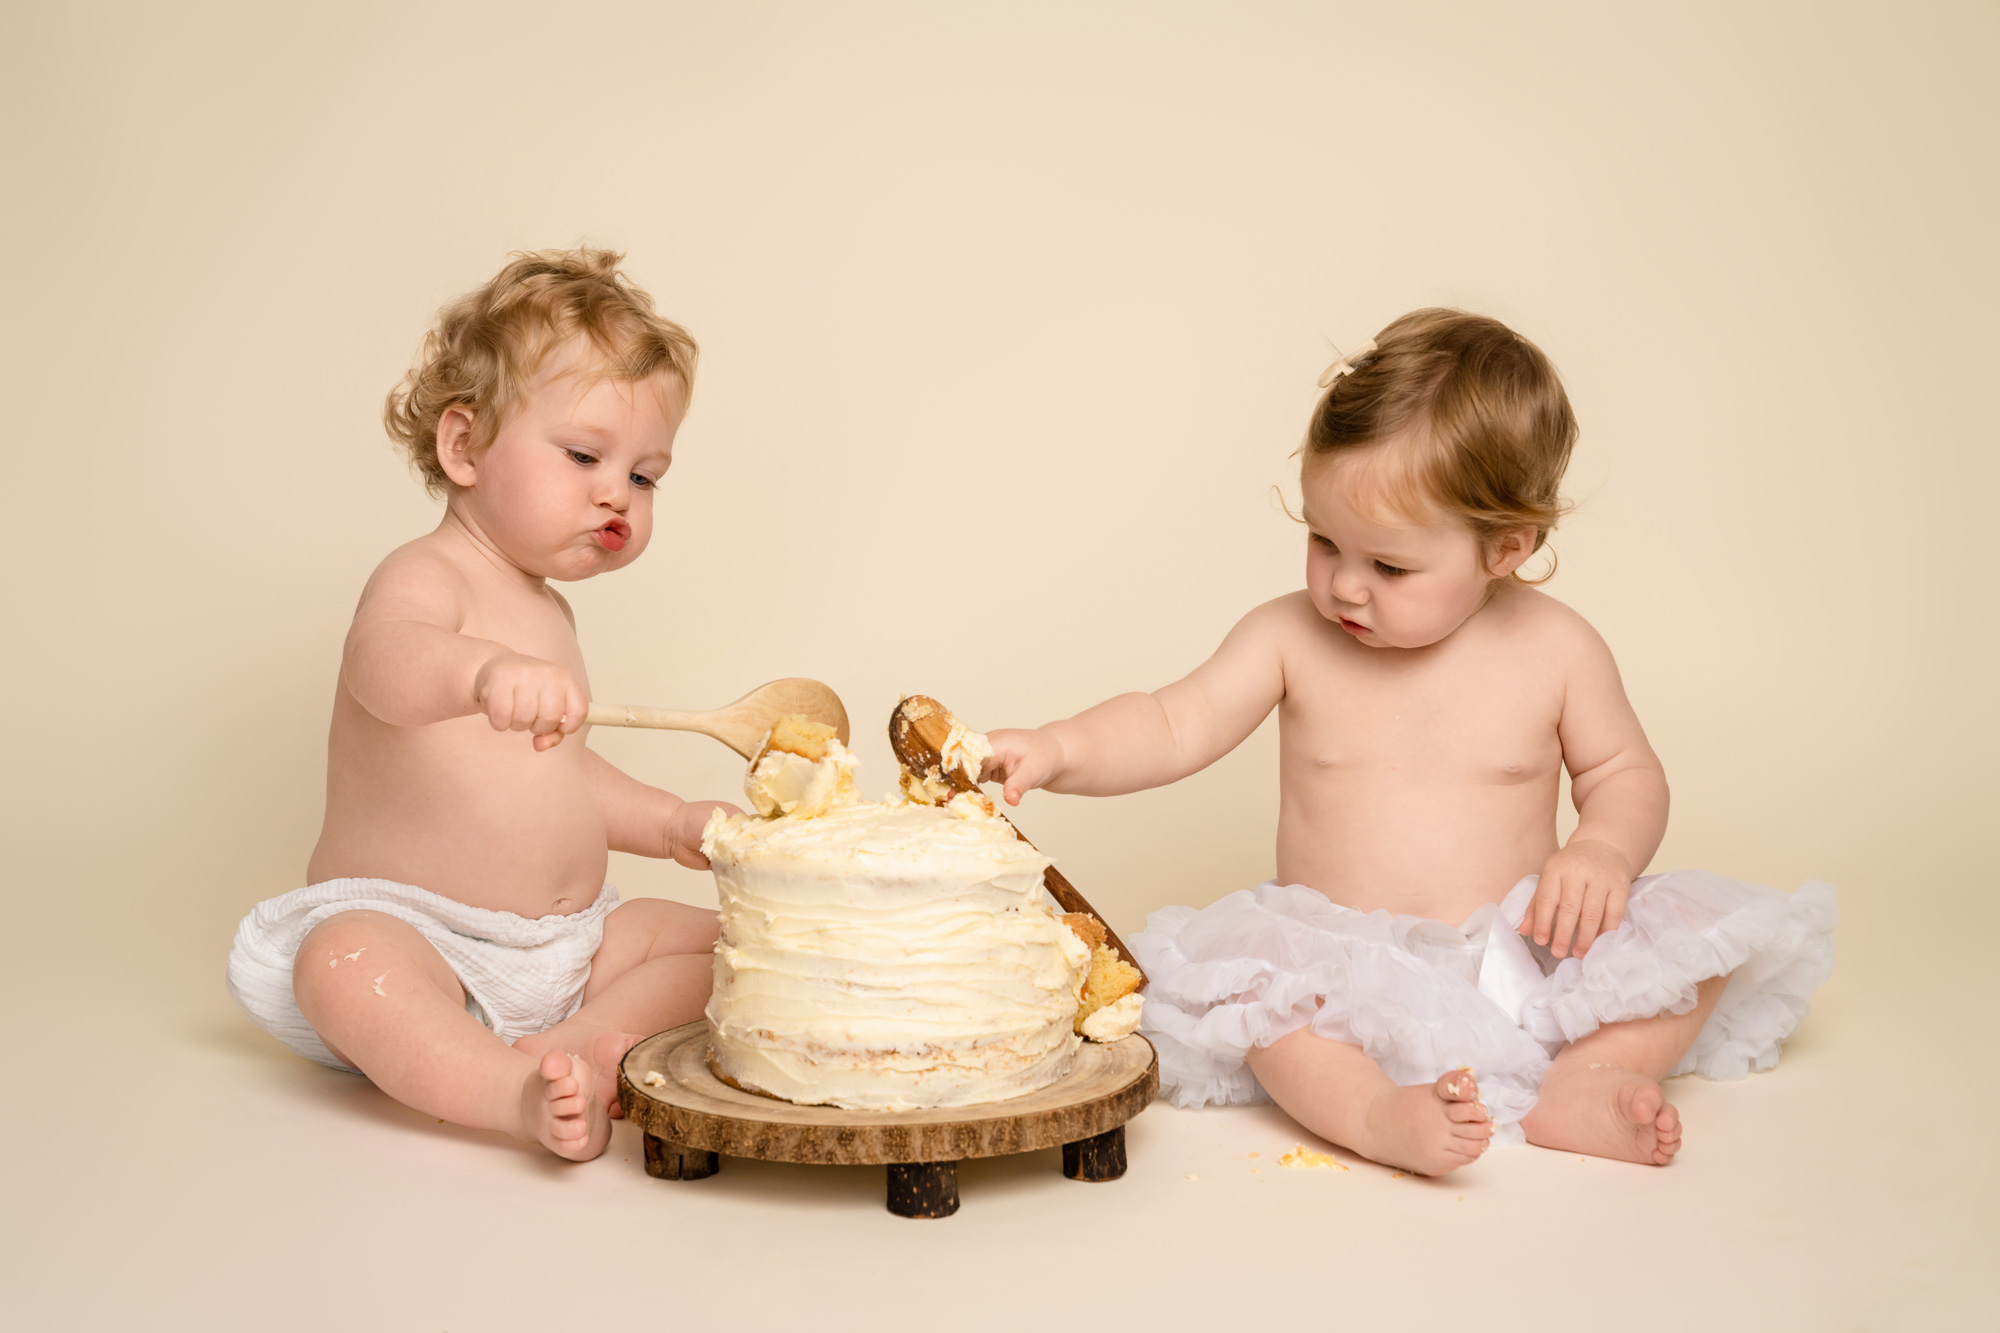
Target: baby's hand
1583,889
522,693
1024,760
684,828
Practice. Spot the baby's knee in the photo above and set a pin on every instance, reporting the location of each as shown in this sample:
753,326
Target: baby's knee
670,926
349,949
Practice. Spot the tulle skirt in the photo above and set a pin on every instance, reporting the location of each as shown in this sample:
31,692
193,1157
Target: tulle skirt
1422,997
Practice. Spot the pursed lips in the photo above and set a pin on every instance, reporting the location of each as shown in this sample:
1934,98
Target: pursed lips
614,534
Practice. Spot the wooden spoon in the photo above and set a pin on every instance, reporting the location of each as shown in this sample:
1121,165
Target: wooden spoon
742,725
918,730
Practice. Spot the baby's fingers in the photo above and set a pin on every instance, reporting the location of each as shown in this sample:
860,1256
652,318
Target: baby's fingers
1614,913
500,708
1026,775
1541,915
1567,912
1589,920
562,713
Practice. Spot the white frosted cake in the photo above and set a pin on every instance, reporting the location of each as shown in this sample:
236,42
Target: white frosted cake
884,956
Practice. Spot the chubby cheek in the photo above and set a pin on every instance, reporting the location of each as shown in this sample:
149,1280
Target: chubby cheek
1417,621
1319,579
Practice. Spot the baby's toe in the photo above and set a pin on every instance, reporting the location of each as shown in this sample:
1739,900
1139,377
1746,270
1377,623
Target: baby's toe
1466,1112
1472,1131
1458,1085
555,1067
1647,1102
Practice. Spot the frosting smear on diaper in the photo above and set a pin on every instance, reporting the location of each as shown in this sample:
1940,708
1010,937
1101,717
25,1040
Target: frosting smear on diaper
883,955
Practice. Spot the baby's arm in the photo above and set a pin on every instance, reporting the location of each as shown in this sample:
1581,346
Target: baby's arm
646,820
406,662
1135,741
1620,791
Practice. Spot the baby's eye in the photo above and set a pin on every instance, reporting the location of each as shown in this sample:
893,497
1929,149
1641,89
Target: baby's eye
643,482
579,457
1325,544
1390,570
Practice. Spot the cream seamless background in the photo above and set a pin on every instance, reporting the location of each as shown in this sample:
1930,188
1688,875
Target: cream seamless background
1010,318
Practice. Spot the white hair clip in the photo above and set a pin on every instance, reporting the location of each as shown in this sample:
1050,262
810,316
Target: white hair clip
1345,364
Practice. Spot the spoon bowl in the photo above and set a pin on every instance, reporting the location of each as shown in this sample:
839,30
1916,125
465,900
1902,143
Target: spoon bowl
742,725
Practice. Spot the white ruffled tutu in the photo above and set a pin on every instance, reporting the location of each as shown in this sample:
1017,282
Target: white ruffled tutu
1421,997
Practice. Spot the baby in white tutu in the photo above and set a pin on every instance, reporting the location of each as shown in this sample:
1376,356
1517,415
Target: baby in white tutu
1431,971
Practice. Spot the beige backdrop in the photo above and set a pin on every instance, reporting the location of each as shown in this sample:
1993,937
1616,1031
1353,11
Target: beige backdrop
1010,318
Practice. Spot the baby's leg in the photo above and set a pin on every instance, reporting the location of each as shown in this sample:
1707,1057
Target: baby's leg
653,971
1603,1096
385,1001
1338,1093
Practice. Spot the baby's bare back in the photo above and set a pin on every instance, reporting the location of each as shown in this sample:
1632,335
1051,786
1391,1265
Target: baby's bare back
454,806
1422,781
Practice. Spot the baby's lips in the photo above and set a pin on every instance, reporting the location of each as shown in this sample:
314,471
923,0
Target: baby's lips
613,535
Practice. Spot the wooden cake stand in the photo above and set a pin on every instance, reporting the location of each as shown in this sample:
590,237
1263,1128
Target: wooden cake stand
694,1118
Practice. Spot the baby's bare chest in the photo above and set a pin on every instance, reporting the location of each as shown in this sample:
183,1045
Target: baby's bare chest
1480,721
533,625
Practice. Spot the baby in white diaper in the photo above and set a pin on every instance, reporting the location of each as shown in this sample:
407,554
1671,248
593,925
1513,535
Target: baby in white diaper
1430,971
457,942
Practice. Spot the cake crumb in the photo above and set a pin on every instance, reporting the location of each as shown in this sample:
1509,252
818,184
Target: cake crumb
799,735
1304,1158
1397,1175
654,1079
378,985
357,953
1255,1154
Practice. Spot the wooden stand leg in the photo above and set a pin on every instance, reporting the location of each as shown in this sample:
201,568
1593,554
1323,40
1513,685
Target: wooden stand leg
923,1189
676,1161
1101,1157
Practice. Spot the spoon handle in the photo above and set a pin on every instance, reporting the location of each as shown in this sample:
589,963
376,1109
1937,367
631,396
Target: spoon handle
1065,893
660,719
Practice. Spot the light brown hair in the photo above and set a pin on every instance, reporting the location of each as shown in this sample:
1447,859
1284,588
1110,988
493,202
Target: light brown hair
1481,426
488,345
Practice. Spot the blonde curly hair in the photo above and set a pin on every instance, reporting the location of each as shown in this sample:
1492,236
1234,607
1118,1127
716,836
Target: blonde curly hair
488,345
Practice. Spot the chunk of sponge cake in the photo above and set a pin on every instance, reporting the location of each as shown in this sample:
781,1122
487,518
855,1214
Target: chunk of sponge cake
1086,928
793,734
1110,979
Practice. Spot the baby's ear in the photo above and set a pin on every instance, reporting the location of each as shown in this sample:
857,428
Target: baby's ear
1510,551
454,446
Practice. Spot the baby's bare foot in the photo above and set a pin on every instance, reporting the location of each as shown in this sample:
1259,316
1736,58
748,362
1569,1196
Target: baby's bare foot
601,1050
1605,1112
1431,1128
560,1108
